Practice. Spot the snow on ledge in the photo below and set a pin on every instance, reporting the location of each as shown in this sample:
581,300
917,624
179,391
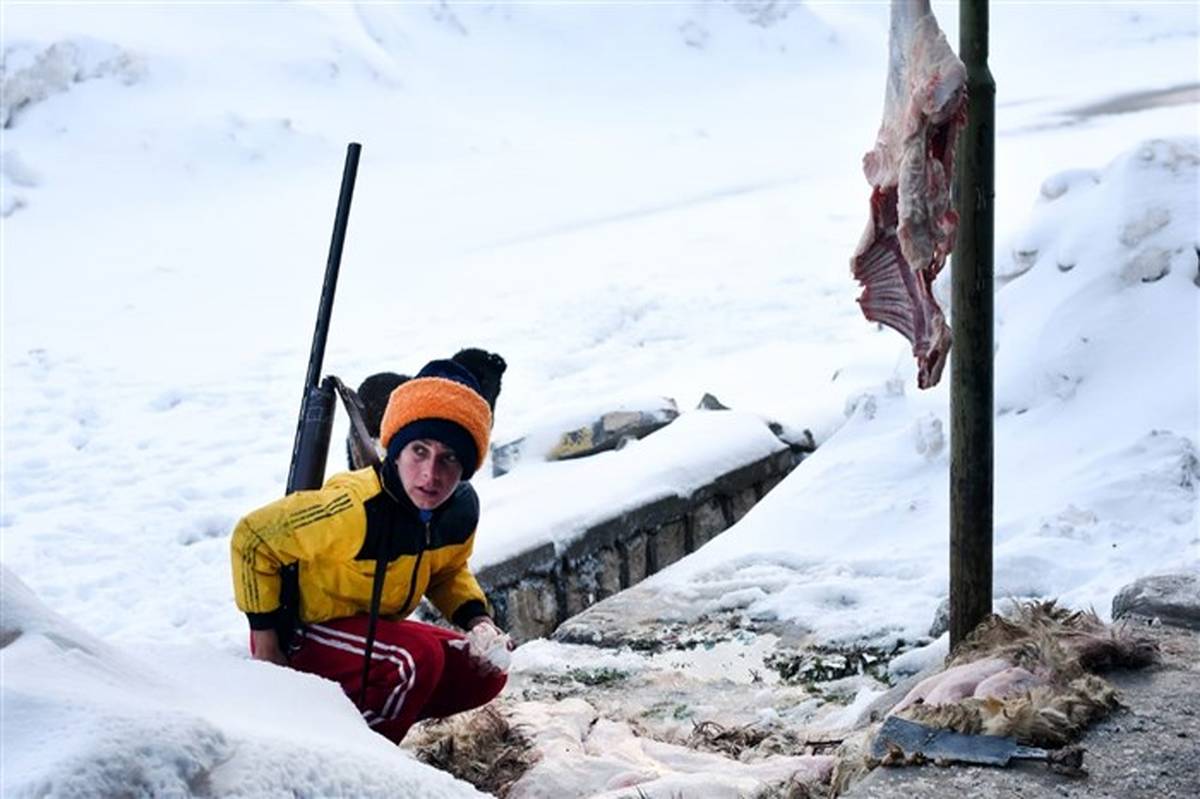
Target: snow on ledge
569,497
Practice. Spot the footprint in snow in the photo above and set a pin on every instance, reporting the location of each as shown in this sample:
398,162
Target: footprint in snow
167,400
36,464
205,527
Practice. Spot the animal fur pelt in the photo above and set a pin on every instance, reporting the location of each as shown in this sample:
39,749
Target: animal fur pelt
1031,675
852,764
1047,716
1043,633
480,747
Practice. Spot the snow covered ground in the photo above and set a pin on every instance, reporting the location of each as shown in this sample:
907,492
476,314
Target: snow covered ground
625,200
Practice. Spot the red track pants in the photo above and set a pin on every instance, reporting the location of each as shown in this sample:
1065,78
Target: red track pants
415,674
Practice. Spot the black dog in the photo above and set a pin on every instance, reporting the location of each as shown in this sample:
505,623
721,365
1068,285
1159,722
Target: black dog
488,368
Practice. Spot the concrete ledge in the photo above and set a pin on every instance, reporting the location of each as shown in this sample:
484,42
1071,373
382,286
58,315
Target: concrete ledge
539,560
535,591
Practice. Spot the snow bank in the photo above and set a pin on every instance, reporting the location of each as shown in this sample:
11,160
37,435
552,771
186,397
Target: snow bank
556,502
83,718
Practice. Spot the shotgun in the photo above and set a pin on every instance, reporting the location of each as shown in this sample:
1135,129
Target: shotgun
310,449
311,446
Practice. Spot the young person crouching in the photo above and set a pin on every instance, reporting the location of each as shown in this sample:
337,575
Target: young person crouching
418,516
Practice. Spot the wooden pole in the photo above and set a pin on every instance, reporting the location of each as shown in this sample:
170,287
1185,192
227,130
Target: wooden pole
971,383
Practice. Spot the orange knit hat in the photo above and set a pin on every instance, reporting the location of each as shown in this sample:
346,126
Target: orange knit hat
442,392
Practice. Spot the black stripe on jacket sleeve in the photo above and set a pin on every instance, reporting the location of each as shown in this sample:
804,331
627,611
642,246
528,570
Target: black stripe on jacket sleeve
263,621
469,610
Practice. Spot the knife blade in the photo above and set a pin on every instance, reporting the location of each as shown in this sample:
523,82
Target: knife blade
912,738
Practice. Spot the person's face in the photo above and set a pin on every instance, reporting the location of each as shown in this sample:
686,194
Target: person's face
429,472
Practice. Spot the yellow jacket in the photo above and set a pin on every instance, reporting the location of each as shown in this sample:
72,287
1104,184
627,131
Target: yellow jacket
334,535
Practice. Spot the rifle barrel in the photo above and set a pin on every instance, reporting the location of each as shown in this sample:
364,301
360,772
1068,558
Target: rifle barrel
316,355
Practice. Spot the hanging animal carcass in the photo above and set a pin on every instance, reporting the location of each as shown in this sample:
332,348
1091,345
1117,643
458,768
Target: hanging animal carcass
912,225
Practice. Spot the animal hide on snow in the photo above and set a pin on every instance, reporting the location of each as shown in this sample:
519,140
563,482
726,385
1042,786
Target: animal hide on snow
478,746
1031,676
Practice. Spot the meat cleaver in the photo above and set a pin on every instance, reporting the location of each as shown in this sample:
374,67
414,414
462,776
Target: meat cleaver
933,743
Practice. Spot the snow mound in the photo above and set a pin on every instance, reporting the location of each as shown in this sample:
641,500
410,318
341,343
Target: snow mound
1102,292
30,73
1144,205
82,718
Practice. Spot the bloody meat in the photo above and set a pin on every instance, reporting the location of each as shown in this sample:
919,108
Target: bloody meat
913,223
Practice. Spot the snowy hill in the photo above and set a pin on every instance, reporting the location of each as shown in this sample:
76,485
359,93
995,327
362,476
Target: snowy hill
1097,468
624,200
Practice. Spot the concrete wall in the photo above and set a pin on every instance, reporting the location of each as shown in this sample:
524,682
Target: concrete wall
535,591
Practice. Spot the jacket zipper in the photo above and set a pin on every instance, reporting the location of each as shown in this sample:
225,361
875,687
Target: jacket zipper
412,581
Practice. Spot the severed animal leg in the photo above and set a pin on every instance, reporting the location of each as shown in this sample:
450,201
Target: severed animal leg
913,224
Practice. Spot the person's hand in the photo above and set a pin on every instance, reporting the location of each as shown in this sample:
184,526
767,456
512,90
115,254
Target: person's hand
488,645
264,645
487,620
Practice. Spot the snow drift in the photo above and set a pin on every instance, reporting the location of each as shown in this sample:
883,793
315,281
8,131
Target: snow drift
83,718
